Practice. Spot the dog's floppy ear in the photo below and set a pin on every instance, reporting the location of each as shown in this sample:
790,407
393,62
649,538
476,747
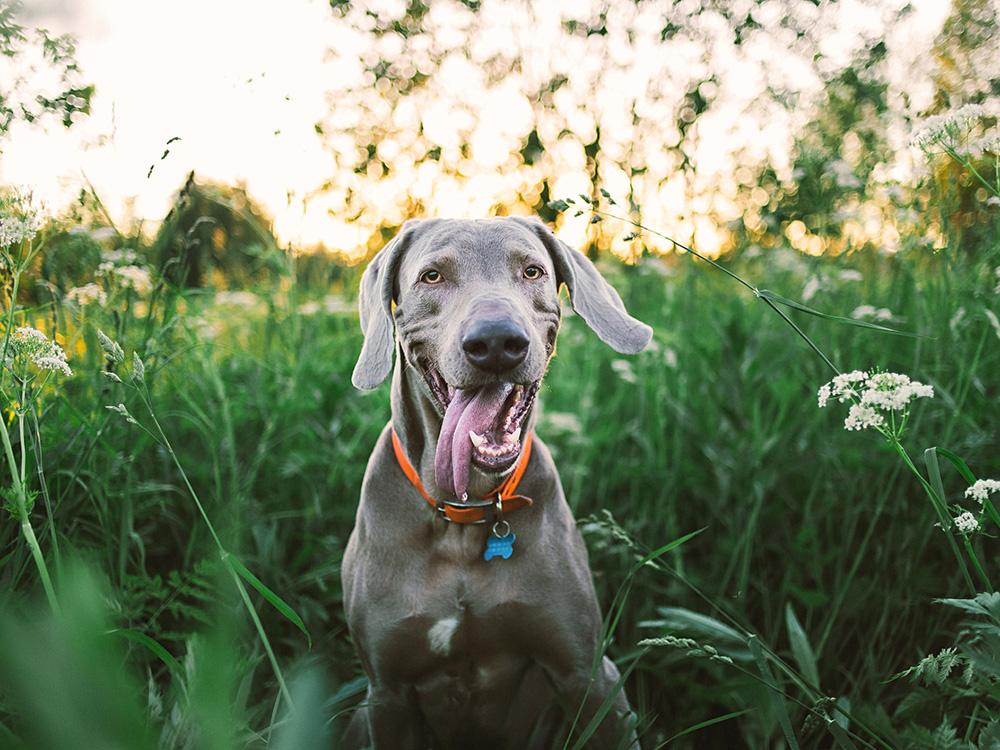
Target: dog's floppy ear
375,307
593,298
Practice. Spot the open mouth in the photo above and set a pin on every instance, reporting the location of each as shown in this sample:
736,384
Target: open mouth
481,426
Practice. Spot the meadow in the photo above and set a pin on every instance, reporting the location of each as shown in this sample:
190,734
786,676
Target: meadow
179,504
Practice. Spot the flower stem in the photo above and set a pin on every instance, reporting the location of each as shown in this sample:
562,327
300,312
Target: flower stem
224,555
20,499
942,512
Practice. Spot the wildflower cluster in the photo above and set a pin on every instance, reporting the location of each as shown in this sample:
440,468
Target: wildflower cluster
31,345
18,220
947,128
982,489
966,523
874,396
87,295
136,278
121,267
16,229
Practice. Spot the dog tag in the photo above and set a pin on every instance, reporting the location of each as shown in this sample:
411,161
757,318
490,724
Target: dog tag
500,546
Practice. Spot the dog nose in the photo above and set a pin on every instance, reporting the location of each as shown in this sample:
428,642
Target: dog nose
495,345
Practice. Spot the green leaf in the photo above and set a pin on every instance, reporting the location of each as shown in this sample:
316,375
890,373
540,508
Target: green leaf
604,709
777,298
276,601
801,649
144,640
958,463
778,698
840,735
705,724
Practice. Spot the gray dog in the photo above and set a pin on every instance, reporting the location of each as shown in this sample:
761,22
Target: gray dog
462,651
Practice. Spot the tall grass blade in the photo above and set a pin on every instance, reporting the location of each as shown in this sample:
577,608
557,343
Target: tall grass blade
777,699
937,499
704,725
801,649
604,709
774,297
153,645
276,601
841,737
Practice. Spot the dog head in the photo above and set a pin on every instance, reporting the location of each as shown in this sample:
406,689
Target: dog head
474,306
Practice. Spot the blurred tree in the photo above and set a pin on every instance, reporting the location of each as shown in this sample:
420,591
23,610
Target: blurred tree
215,234
39,75
967,55
833,158
467,107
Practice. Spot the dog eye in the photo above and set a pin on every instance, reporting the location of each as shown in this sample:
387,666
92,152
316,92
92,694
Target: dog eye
533,272
431,277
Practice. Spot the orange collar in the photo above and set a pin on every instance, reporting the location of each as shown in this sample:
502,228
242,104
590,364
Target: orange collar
470,513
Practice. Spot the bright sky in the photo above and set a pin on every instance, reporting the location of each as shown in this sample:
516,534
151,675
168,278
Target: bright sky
241,82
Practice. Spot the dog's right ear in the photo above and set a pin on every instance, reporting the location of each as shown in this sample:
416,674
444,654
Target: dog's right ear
375,307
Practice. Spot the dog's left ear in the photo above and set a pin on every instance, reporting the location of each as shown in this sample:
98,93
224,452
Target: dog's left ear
593,298
375,307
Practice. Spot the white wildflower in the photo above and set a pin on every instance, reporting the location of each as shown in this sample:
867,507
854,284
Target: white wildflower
988,144
135,278
967,523
892,391
982,489
87,294
841,387
956,319
237,299
873,396
996,272
53,363
125,256
563,421
994,321
946,127
33,346
850,274
870,311
861,417
331,304
813,285
823,395
16,229
103,233
19,219
624,370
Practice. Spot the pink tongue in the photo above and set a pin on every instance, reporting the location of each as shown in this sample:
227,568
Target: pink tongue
473,409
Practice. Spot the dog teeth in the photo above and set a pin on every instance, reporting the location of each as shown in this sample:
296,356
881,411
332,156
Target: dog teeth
477,440
513,436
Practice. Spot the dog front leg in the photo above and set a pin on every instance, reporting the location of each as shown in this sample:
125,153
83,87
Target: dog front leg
394,720
584,696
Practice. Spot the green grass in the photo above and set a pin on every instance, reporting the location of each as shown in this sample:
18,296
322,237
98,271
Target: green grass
817,541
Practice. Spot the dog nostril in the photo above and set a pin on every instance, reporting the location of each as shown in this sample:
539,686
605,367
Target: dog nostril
477,349
515,346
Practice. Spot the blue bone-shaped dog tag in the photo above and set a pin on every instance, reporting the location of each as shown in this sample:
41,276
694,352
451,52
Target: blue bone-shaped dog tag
500,546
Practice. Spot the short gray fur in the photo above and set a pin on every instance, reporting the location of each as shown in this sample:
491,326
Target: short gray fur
522,633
